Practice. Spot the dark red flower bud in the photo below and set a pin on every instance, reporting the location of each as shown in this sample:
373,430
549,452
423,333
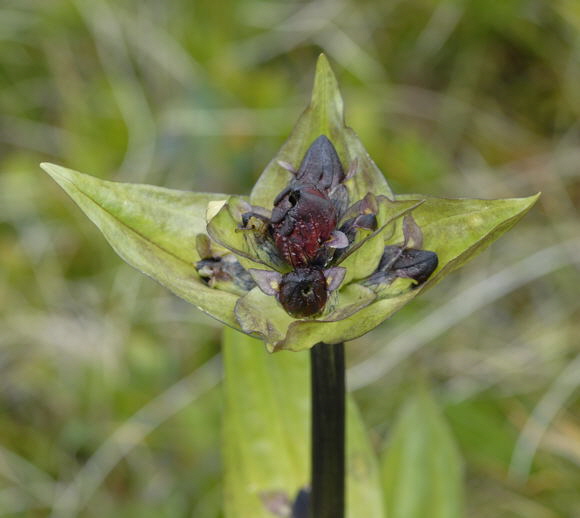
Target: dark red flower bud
303,229
303,292
302,222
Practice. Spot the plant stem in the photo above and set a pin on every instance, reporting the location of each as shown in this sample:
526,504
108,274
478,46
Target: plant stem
328,431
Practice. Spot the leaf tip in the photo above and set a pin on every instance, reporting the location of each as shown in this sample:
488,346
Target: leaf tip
323,68
59,174
322,64
325,83
51,169
528,202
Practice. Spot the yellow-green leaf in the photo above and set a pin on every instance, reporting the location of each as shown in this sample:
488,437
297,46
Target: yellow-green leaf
154,230
422,470
459,229
266,412
267,433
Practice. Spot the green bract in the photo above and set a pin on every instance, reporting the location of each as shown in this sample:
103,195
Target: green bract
163,233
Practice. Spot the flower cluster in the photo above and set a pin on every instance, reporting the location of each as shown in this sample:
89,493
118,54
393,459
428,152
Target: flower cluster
310,230
335,247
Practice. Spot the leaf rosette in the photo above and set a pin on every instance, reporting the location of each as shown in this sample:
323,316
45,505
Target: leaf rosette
219,252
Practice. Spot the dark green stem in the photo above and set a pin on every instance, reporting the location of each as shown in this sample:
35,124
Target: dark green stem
328,431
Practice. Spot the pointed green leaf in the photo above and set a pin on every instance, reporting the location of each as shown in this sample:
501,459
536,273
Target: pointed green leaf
154,230
456,229
421,466
324,116
459,229
267,433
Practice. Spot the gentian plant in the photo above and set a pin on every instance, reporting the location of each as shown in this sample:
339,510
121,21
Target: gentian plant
319,253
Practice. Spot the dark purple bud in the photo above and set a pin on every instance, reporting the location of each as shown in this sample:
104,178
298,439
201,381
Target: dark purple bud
416,264
408,263
320,165
223,271
360,215
363,221
303,292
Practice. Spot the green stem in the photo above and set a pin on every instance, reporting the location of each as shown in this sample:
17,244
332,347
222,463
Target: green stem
328,431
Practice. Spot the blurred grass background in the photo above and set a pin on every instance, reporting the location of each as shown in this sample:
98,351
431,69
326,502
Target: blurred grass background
109,386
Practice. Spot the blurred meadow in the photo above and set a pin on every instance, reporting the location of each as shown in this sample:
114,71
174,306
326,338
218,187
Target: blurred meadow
110,401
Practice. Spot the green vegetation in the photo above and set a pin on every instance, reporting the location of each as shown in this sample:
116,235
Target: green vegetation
110,399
